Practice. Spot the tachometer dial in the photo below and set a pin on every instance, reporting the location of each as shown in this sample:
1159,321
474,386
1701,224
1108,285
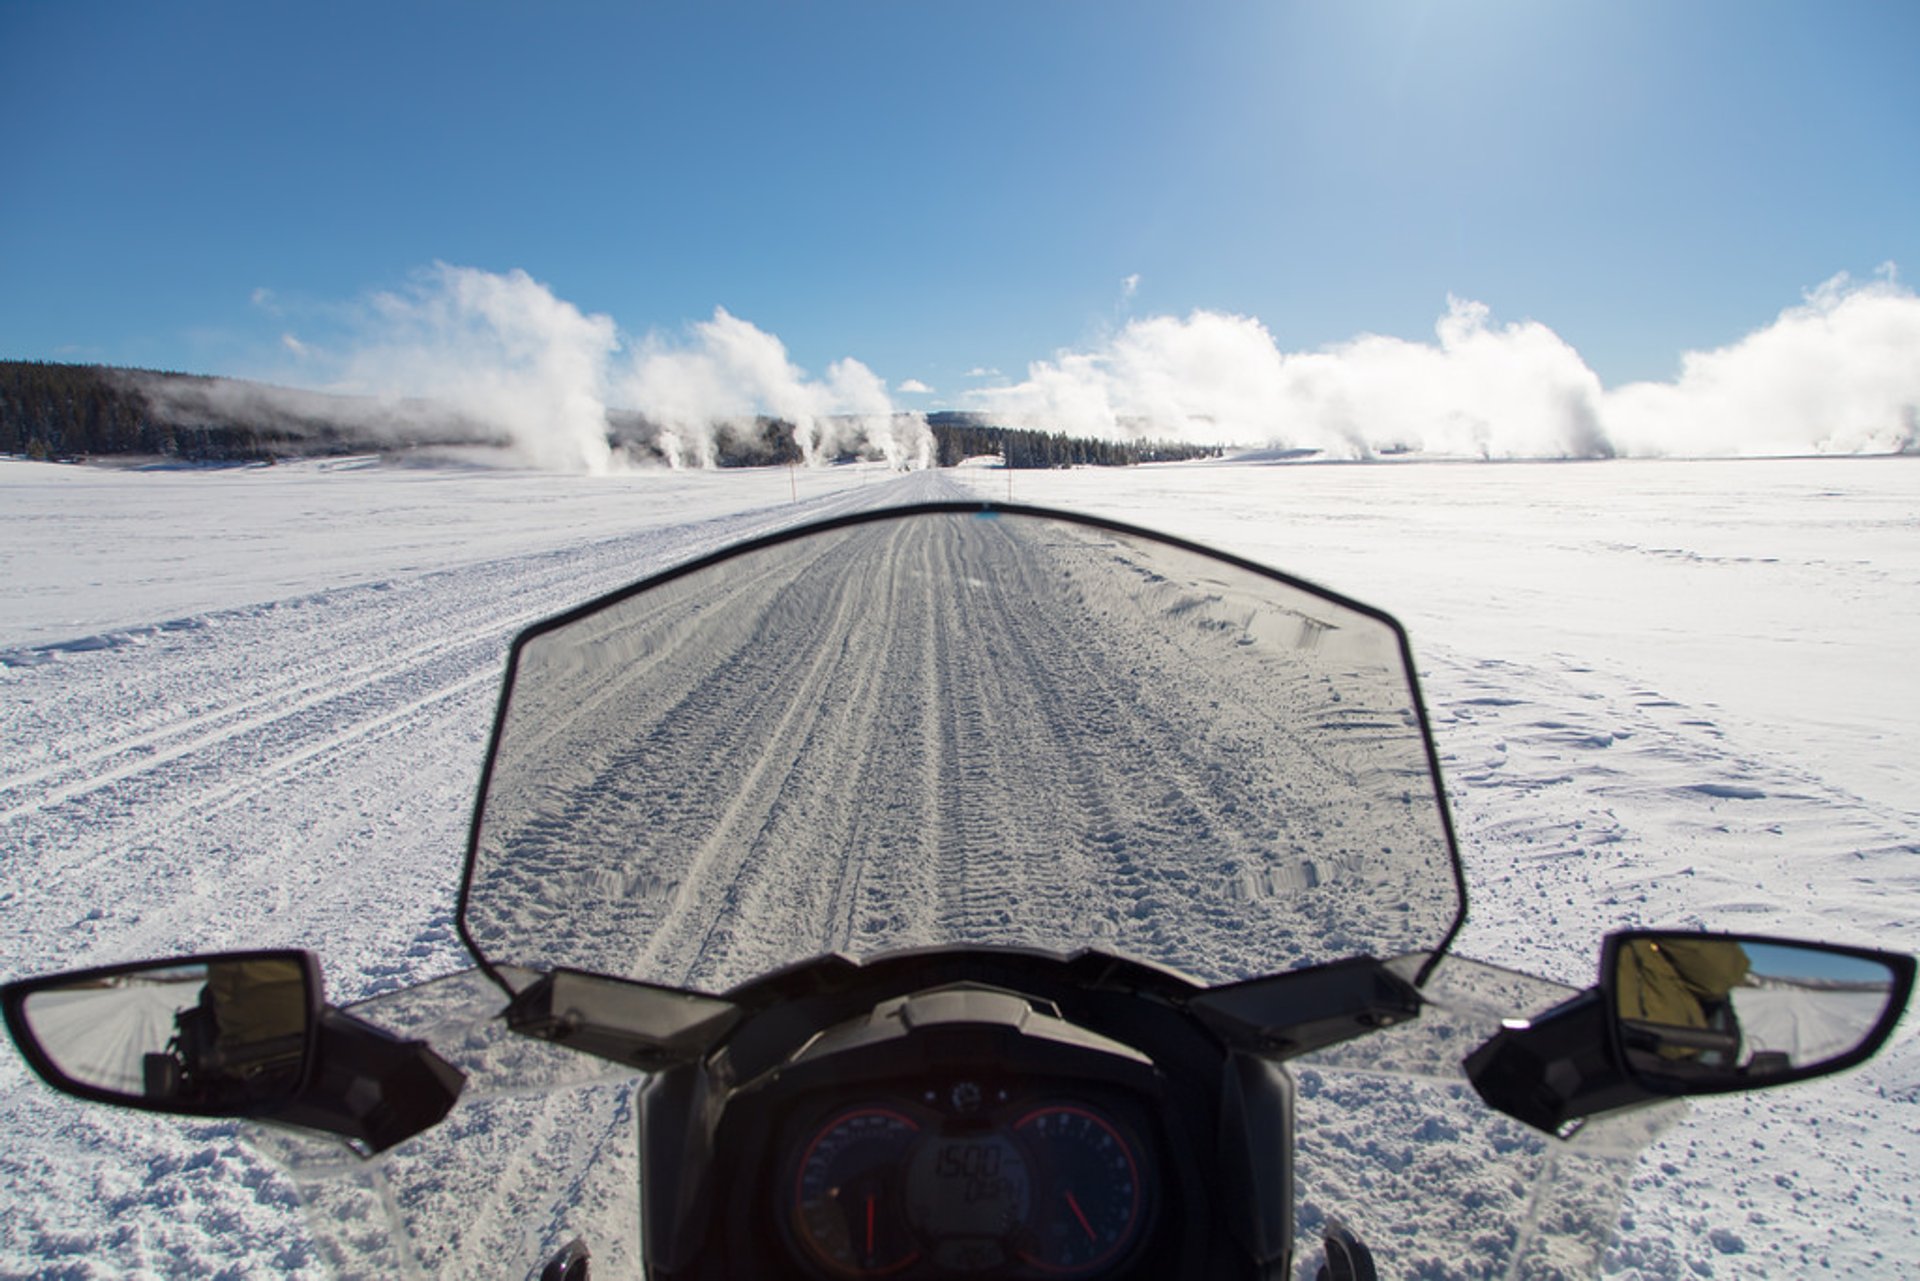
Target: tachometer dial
847,1206
1088,1200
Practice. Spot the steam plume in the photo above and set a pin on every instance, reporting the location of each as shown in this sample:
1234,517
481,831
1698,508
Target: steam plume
732,371
502,358
503,353
1839,373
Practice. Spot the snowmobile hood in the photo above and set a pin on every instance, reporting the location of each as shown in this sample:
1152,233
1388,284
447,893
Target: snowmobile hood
961,725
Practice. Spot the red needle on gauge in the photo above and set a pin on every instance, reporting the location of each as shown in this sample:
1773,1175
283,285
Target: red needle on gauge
870,1198
1081,1215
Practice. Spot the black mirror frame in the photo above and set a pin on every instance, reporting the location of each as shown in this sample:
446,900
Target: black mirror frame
13,998
1901,965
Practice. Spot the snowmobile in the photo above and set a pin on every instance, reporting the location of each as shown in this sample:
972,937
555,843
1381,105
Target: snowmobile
967,890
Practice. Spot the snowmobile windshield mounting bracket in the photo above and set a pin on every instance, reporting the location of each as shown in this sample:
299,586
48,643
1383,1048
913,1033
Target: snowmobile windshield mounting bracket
1285,1015
640,1025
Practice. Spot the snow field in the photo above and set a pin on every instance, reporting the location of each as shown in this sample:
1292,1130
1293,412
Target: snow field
1665,694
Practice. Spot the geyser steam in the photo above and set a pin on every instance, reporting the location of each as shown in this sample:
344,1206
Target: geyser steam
1839,373
504,352
733,371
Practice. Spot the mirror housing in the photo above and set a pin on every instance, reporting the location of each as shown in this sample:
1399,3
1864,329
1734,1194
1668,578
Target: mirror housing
372,1088
1694,1013
1554,1069
228,1034
1651,1028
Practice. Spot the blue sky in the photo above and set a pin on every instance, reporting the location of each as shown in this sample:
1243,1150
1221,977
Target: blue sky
936,188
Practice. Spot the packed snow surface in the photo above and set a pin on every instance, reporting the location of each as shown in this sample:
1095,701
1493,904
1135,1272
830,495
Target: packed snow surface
955,731
248,707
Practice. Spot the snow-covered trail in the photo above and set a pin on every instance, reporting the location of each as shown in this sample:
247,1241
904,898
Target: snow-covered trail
175,762
101,1035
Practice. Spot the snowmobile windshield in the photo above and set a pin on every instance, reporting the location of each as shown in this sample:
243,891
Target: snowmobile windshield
959,725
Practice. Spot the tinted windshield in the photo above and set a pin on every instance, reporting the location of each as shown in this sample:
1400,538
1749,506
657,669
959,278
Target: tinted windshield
959,727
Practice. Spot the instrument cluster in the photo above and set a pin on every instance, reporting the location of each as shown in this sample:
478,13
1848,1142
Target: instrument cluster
967,1177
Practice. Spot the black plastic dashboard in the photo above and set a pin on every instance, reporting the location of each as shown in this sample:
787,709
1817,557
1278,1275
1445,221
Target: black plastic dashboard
968,1131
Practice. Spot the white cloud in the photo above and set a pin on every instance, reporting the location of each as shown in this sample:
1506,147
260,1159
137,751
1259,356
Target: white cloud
981,371
1129,286
914,387
293,345
1836,374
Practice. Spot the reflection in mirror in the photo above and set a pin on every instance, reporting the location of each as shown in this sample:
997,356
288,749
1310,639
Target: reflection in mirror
1704,1010
209,1036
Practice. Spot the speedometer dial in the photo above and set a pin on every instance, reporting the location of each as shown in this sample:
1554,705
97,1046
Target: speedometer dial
847,1205
1088,1203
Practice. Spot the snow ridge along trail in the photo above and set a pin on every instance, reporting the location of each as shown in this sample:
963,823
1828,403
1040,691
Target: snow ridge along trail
297,772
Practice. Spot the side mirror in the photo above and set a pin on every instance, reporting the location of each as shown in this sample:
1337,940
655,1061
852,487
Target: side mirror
1711,1013
1678,1012
231,1034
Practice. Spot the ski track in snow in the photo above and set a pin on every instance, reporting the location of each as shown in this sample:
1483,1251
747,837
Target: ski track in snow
299,772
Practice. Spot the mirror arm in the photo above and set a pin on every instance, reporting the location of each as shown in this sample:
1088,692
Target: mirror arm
370,1087
1555,1069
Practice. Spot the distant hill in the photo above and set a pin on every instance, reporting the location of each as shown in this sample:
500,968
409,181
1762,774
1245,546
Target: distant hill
72,412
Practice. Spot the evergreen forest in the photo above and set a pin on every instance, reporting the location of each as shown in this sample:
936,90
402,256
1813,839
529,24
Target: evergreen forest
63,412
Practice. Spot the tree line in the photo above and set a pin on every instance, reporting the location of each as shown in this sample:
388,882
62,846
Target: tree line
73,411
69,412
962,435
